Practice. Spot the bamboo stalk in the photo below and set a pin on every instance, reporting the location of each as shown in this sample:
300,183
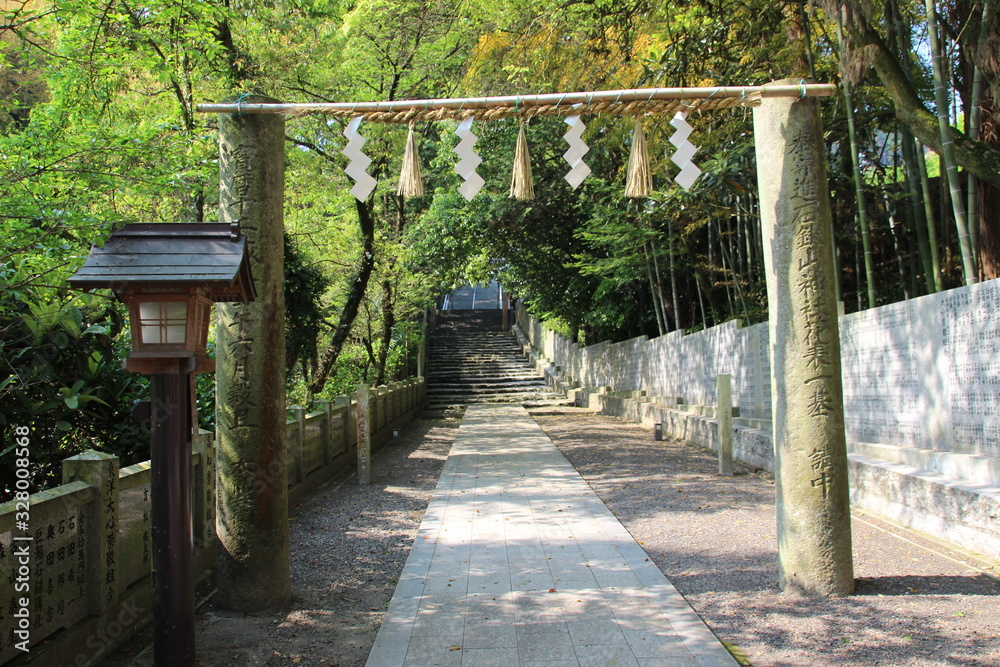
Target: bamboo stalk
619,102
859,191
940,70
974,123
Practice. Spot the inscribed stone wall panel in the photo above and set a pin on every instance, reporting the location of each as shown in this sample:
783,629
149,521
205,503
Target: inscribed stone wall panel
890,378
666,372
312,451
57,552
755,371
134,524
970,332
690,372
721,357
764,359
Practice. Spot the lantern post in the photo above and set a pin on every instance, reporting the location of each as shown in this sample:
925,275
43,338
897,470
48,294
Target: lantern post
169,275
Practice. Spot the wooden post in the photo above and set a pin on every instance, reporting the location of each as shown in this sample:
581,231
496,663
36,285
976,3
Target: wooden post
724,416
252,517
810,451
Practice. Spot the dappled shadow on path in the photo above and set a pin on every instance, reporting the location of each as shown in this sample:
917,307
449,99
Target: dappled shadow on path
714,538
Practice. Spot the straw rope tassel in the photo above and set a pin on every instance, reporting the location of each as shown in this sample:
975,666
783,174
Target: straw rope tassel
411,182
522,187
639,181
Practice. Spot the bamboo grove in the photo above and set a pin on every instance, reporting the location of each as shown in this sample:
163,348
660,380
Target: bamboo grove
98,128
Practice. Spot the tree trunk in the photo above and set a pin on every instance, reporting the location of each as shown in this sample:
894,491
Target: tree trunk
895,231
388,324
673,277
917,209
359,285
976,218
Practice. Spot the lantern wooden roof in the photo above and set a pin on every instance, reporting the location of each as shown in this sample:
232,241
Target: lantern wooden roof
158,255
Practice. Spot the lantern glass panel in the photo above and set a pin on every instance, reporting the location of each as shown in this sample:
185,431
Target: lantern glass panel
163,322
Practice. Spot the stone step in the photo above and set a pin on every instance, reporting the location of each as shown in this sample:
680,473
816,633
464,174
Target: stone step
488,382
478,371
492,364
962,511
475,353
754,423
483,393
486,378
447,401
969,467
479,359
473,362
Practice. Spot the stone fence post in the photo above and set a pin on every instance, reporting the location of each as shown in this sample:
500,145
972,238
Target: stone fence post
364,434
102,553
204,490
326,431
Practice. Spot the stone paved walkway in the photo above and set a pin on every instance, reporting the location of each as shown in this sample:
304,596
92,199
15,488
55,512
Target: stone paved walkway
518,562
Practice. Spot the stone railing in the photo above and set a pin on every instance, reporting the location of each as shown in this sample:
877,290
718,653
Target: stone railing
81,566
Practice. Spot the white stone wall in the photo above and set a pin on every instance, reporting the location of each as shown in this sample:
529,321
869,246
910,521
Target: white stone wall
920,373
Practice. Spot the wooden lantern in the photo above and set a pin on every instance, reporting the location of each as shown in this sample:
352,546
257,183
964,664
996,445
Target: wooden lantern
169,275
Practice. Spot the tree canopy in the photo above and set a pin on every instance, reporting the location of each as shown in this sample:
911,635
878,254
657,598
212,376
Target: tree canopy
98,128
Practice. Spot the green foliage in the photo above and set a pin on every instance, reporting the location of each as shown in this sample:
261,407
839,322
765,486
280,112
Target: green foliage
97,128
305,285
63,379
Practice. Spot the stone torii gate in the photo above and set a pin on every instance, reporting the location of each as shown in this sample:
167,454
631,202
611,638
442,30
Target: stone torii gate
813,507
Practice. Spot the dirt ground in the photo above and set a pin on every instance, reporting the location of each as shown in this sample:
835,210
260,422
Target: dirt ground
918,601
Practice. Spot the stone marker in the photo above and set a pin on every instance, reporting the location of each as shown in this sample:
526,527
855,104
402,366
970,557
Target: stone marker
724,415
813,507
252,500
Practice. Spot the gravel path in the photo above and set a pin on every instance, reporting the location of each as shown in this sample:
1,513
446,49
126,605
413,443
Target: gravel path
348,547
919,603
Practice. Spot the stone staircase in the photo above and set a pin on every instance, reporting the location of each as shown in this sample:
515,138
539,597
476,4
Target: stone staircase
471,360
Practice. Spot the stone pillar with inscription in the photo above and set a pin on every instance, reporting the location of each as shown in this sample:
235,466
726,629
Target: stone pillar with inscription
813,507
100,470
252,499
